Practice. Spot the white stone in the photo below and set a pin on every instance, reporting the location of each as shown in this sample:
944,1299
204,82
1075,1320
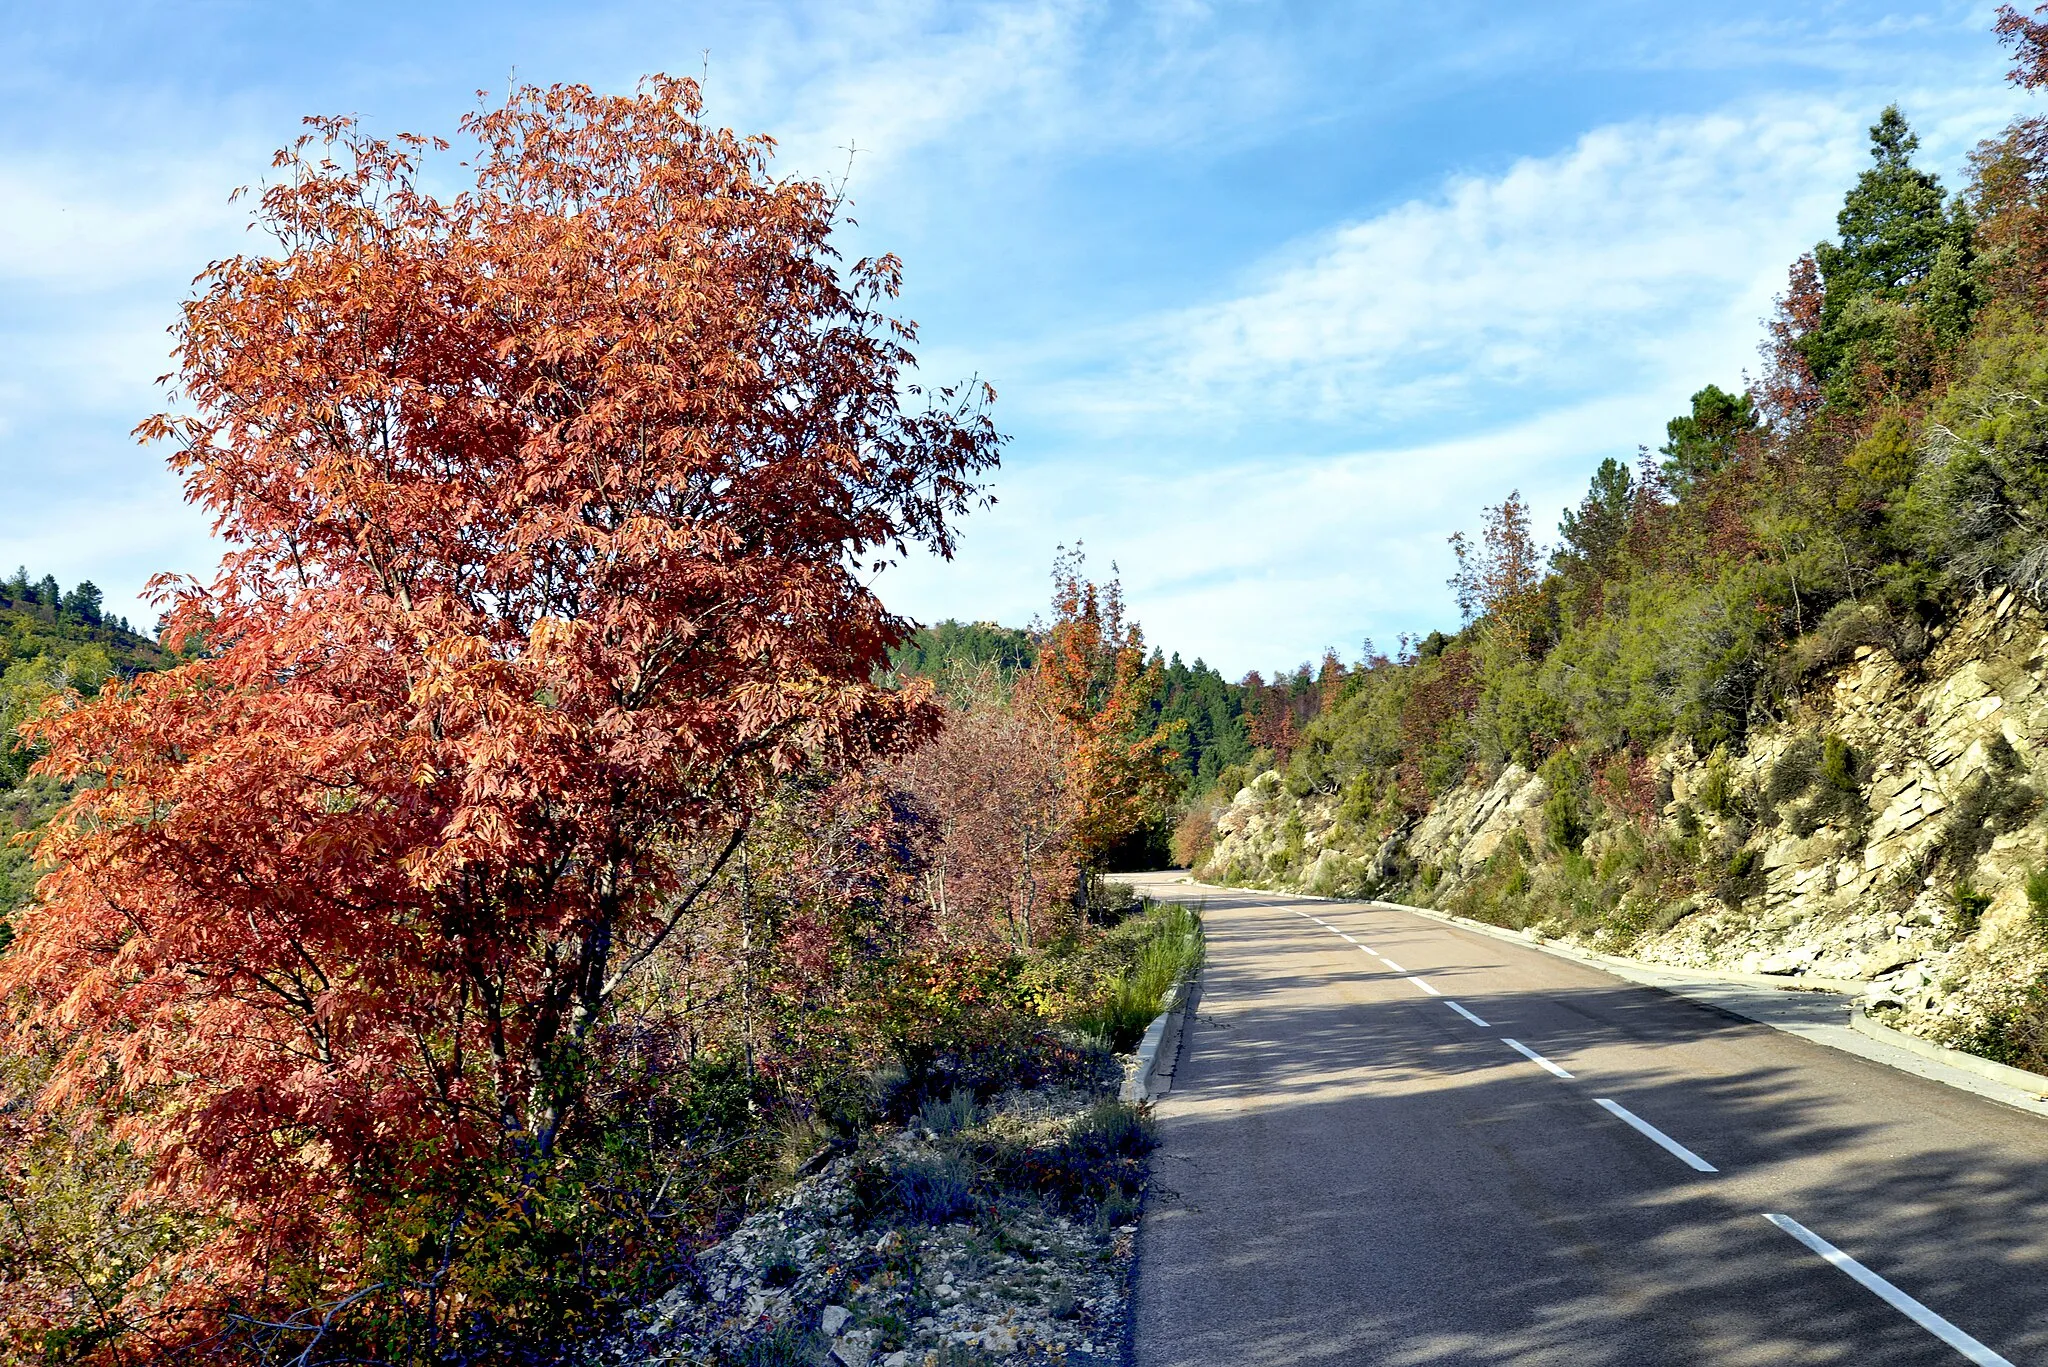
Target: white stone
834,1319
856,1349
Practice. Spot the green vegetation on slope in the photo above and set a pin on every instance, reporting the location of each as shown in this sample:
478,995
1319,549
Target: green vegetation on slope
50,641
1891,464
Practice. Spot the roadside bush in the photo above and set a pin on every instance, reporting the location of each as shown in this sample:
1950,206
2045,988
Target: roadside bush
956,1112
929,1189
1834,640
1565,822
1717,788
2014,1033
1102,1158
1996,801
786,1345
1969,903
1194,836
1742,879
1165,947
2037,898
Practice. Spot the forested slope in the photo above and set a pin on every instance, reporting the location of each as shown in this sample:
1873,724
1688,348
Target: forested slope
49,641
1770,702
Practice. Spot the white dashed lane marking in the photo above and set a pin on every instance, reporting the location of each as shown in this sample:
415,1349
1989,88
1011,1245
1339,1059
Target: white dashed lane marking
1655,1135
1934,1324
1892,1296
1530,1054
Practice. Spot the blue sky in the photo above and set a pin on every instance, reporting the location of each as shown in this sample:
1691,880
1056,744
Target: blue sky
1276,295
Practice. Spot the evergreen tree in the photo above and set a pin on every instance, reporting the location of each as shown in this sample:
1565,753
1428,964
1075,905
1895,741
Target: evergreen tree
1701,443
83,603
1893,228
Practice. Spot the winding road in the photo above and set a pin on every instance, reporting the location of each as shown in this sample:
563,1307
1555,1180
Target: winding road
1390,1140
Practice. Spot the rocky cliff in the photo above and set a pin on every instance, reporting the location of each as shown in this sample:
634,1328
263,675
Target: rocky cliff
1885,831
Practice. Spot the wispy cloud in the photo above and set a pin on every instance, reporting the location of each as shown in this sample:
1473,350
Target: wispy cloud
1637,248
1505,331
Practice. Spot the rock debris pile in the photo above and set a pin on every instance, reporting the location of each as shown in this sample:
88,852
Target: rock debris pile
971,1235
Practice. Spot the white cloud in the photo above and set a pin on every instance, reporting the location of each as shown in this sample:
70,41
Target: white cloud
71,229
1616,258
1507,332
1265,562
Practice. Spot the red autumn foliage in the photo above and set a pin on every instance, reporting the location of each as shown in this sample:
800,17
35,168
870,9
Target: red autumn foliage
1439,699
1092,677
549,506
2028,39
1788,394
995,783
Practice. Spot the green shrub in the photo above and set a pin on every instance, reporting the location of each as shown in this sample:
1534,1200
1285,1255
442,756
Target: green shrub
931,1189
1968,903
957,1112
1717,789
1993,803
1743,878
1102,1158
1169,951
1838,767
1564,821
786,1345
2037,897
1795,770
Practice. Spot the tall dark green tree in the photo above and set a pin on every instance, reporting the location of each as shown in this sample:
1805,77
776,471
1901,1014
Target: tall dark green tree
1702,443
1893,230
1591,536
84,603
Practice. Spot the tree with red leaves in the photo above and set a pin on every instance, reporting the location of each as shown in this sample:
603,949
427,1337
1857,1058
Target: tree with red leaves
550,506
994,783
1092,676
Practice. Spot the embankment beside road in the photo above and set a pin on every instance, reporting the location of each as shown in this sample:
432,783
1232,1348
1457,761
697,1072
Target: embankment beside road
1883,833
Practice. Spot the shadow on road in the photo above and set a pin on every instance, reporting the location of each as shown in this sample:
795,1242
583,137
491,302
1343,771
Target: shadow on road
1351,1173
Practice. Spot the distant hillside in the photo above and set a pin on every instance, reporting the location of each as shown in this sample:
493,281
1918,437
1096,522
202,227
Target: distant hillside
934,652
50,640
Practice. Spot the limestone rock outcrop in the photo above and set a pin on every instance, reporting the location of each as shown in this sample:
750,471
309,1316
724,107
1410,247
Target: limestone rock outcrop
1914,884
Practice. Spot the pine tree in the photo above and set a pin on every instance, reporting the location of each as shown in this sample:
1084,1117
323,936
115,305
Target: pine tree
1893,227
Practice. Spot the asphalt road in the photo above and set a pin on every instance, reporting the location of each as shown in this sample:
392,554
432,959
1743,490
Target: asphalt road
1358,1166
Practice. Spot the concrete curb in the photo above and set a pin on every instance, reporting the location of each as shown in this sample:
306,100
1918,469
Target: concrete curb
1141,1084
2034,1083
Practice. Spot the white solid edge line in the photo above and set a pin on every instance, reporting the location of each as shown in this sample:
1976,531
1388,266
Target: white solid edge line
1466,1014
1425,987
1891,1295
1656,1136
1530,1054
1390,963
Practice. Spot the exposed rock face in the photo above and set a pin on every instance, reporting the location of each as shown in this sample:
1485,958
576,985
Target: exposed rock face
1946,755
